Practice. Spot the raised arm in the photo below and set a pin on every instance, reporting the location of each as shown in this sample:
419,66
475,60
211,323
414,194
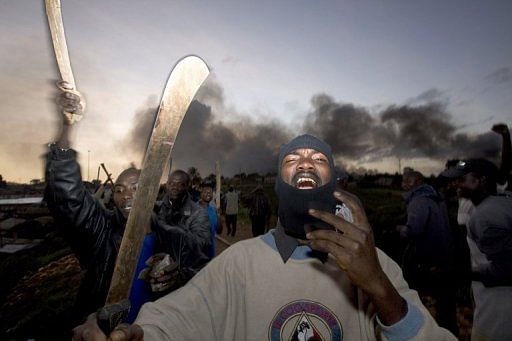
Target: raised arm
506,151
70,103
65,193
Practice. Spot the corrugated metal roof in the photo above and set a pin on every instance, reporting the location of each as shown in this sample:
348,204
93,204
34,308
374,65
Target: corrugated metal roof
21,201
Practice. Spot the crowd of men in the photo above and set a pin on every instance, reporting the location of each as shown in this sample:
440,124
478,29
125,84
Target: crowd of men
316,274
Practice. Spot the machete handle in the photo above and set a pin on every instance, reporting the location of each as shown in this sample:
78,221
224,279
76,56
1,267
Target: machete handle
112,315
71,117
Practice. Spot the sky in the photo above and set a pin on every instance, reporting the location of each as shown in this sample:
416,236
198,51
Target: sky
381,81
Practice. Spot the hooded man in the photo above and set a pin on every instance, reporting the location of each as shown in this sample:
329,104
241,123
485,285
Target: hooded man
430,255
275,287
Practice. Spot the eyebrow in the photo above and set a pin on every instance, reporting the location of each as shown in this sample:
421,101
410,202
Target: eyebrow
294,153
130,183
315,152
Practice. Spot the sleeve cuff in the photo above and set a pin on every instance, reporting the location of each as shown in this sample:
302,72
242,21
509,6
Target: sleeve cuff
406,328
60,153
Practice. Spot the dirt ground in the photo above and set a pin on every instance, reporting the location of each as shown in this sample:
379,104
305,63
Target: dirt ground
243,231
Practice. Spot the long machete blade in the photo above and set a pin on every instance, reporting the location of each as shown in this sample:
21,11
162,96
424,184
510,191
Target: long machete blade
60,46
184,81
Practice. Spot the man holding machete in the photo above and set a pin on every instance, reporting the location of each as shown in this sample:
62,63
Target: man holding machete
314,277
95,234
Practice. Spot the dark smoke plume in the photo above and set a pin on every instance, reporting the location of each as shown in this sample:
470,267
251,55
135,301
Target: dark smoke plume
405,131
241,146
356,135
143,121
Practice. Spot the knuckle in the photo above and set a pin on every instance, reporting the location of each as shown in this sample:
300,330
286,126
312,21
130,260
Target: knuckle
339,237
363,236
356,247
320,244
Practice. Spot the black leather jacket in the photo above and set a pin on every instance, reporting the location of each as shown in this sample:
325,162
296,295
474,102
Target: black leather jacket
184,233
95,233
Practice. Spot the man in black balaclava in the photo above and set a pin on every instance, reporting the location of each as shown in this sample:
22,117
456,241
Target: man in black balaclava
274,287
304,183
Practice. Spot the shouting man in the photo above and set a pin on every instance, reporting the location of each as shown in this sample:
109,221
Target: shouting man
316,276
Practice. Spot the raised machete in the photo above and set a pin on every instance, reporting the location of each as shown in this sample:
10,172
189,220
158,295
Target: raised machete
182,85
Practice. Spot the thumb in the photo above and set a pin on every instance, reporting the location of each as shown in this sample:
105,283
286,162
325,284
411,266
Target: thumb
353,203
127,332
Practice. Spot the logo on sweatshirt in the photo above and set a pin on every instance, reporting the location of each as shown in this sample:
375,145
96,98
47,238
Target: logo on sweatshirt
305,321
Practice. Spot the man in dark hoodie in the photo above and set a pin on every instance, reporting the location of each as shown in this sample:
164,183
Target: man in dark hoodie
429,257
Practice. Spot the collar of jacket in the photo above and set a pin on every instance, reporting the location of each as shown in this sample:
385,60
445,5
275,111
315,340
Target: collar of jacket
185,207
422,191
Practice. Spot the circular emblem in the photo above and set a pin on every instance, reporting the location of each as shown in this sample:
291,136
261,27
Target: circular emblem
305,321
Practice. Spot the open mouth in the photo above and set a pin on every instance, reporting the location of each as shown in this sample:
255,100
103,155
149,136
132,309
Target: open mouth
173,194
306,181
127,206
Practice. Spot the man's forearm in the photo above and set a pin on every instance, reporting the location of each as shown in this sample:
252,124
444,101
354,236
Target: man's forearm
64,137
65,192
391,307
506,156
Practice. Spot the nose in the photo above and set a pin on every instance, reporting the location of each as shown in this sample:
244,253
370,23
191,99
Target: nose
305,164
128,193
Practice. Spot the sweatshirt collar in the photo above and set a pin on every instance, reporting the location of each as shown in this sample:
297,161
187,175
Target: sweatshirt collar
288,247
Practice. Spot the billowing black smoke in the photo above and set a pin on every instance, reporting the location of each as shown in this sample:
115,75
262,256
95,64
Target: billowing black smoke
405,131
241,146
355,134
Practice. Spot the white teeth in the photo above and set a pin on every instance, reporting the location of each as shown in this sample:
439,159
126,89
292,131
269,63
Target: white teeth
301,180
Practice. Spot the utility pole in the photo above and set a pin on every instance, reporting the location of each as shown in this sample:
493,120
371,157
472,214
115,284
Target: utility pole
88,161
218,185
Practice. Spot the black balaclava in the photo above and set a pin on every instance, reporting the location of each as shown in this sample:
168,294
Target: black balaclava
294,203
